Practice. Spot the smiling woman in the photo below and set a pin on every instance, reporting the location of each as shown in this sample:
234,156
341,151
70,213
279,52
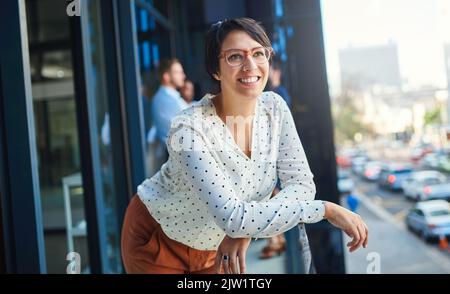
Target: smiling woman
199,212
226,55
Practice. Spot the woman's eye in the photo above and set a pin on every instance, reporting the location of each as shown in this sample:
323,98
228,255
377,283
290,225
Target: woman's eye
258,54
235,57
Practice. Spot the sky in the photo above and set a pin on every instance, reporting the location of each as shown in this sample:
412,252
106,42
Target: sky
419,27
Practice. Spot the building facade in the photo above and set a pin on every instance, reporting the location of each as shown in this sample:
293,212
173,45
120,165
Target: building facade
368,67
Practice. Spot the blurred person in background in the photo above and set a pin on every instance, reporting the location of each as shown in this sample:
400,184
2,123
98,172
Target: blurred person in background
167,101
187,91
166,104
275,82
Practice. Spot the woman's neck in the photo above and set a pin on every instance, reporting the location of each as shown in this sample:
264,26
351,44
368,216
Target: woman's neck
227,105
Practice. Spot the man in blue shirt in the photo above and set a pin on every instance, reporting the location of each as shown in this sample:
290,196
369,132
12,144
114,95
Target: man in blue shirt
167,101
166,104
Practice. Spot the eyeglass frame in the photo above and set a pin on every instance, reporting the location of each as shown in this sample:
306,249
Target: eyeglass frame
246,53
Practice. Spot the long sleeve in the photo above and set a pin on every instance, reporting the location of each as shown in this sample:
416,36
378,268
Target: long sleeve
238,218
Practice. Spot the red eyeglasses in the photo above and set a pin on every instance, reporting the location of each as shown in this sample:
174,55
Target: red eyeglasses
236,57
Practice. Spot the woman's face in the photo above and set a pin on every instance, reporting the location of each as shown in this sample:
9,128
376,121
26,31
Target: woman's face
247,80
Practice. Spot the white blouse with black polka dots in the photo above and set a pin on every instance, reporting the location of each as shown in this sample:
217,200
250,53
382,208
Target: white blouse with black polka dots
209,187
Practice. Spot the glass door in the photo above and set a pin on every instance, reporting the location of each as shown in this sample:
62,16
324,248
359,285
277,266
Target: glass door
57,140
74,84
101,87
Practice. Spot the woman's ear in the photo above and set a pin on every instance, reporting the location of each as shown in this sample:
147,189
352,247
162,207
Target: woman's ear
216,76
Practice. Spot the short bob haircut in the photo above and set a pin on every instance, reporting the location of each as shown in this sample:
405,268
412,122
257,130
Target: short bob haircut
217,34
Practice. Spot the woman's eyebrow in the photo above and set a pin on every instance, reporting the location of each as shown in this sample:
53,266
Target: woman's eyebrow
244,49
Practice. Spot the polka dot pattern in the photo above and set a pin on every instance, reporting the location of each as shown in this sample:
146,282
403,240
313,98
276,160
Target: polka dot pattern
209,187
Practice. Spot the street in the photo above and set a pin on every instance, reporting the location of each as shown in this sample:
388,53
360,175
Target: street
398,250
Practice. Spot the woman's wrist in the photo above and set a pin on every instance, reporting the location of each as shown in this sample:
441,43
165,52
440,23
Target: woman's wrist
329,209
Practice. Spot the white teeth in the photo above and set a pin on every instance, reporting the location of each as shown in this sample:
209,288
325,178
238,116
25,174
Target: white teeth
249,80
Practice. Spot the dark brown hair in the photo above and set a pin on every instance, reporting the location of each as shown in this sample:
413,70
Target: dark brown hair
164,66
217,34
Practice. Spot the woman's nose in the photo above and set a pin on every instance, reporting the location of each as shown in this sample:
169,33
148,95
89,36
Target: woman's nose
249,63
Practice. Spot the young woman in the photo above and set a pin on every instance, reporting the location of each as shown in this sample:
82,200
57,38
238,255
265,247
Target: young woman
200,211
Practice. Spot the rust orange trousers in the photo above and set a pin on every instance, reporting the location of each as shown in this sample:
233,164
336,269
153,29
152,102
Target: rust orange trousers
147,250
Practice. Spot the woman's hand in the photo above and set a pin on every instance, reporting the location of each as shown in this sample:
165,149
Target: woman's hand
351,223
275,191
230,252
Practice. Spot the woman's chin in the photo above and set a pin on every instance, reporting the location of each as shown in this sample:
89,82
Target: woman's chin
251,93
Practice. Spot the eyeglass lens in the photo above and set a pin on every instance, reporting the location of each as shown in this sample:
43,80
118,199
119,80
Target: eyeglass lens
236,57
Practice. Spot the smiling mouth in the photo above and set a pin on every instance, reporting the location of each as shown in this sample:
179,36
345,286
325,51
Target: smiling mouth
249,80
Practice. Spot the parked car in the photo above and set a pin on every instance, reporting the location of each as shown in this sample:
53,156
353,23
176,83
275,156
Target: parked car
431,160
426,185
444,162
358,164
345,182
343,161
430,219
372,170
420,151
392,176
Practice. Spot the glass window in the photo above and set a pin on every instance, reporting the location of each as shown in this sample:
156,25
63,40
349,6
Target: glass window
57,134
97,82
432,181
153,44
44,25
439,212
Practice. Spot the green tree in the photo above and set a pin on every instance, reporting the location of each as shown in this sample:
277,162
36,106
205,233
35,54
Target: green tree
433,116
348,117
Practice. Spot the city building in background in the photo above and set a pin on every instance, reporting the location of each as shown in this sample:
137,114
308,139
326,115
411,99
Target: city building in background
376,60
368,67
